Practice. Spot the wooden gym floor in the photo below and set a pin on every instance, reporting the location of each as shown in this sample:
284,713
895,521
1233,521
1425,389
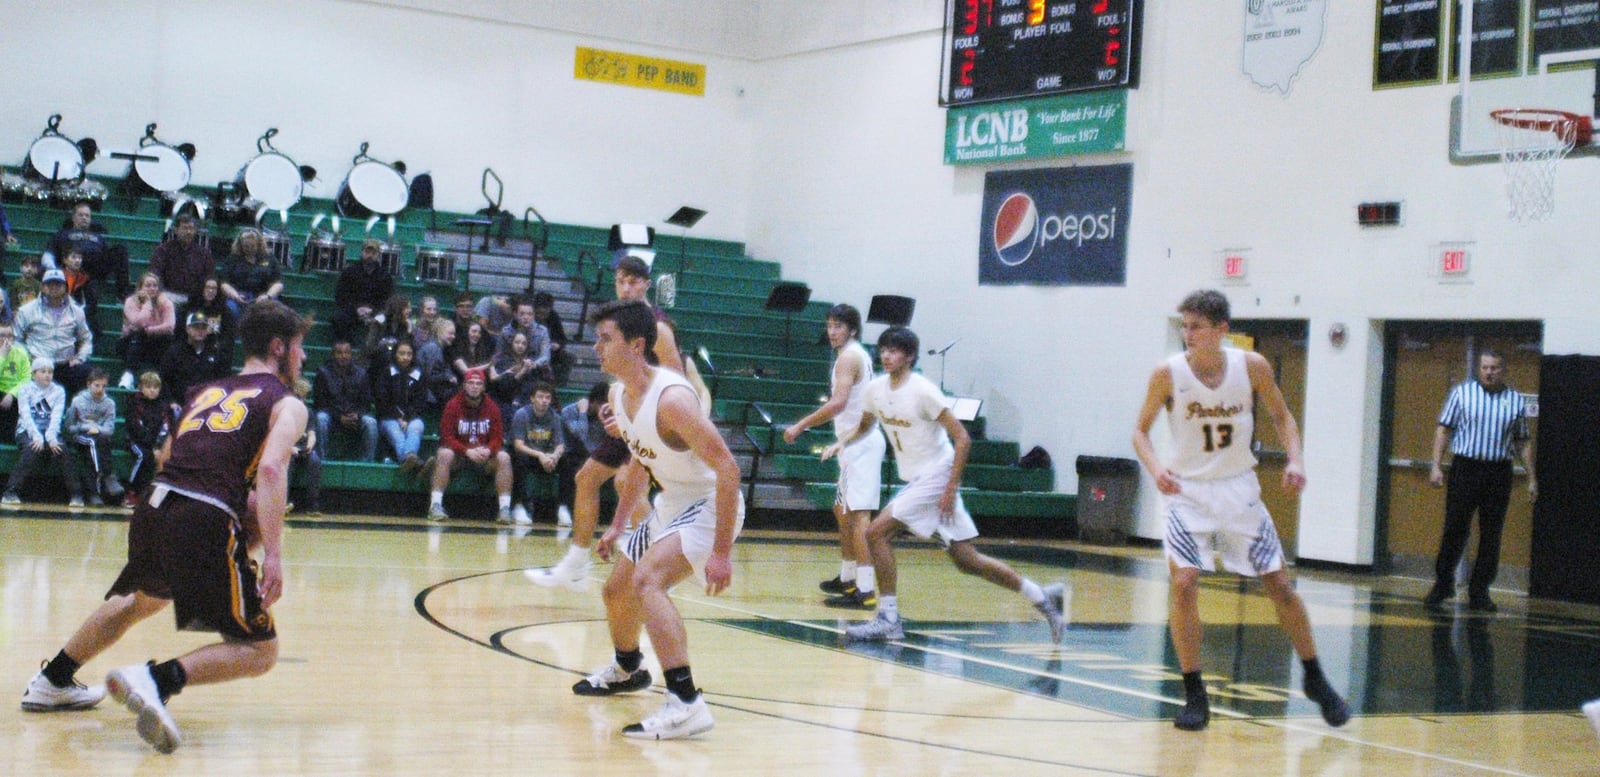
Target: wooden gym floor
414,649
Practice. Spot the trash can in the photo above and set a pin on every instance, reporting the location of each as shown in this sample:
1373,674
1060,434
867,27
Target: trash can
1107,488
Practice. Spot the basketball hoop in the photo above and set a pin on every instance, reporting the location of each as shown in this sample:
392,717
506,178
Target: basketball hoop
1533,141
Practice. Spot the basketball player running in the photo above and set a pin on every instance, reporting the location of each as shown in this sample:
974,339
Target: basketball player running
860,465
697,515
632,279
1213,498
930,448
189,539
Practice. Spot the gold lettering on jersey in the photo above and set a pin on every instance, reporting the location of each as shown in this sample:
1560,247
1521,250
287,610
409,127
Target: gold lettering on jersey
1197,410
902,423
644,453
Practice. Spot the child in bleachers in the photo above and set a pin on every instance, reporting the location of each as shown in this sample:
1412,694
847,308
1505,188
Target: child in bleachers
16,368
149,424
80,288
91,420
26,285
41,404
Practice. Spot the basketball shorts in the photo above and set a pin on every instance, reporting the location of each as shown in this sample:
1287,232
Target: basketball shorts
195,554
611,451
916,505
695,525
861,474
1222,517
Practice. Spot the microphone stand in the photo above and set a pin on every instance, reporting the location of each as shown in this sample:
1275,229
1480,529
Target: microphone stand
940,352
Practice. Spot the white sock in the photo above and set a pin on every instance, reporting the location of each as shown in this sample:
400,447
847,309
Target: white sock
866,580
1032,590
438,497
505,501
889,607
847,571
575,556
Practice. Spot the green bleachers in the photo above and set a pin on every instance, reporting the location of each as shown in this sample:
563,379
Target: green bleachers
720,301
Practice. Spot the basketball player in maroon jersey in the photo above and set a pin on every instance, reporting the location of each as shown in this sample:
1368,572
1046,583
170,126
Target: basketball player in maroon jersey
190,537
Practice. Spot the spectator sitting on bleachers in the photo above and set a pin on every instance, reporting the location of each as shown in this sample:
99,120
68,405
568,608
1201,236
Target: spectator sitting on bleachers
463,315
343,394
192,361
513,376
250,273
583,431
149,422
538,337
470,432
387,330
81,290
561,359
437,373
148,323
102,259
401,396
473,350
9,241
362,290
494,311
182,264
52,327
42,403
16,369
306,457
91,420
25,287
427,316
219,318
537,442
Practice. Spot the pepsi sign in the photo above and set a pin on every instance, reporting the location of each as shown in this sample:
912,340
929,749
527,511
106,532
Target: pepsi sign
1056,227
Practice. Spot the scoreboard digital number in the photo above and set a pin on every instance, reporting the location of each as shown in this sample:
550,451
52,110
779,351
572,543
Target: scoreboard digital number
1006,49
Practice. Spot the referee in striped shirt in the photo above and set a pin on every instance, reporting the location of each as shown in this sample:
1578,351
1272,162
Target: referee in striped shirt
1485,422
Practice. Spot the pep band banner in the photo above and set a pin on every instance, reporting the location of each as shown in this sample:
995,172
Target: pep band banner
1056,227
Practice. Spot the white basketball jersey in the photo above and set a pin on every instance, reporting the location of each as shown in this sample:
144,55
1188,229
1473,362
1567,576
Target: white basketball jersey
681,474
1212,428
850,417
908,415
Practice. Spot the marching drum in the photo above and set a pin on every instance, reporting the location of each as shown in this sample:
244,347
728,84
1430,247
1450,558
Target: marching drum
53,157
436,265
168,172
276,245
272,179
324,252
373,187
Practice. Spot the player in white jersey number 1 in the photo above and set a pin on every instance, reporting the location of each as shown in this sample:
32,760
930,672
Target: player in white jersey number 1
1212,497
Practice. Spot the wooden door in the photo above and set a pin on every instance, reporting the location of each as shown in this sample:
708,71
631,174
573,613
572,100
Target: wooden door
1426,359
1283,343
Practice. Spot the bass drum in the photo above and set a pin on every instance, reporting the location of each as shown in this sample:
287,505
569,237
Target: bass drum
52,156
169,171
273,180
372,187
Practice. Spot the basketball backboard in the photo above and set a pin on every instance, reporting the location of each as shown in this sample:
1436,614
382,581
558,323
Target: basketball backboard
1520,55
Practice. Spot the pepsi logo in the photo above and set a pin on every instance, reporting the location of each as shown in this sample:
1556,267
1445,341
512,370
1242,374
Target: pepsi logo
1016,229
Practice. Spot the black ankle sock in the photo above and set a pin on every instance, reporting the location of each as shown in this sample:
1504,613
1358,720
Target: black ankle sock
170,678
681,683
61,669
630,660
1193,686
1315,681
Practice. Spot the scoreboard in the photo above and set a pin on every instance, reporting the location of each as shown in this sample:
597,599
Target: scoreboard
1006,49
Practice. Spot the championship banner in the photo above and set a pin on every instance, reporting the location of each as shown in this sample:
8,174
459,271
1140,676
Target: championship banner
616,67
1087,123
1056,227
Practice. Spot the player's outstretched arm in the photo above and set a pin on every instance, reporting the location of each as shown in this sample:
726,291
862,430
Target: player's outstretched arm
272,491
1157,396
1265,386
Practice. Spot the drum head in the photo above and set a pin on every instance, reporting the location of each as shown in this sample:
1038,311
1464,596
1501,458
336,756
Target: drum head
55,153
273,180
378,187
170,171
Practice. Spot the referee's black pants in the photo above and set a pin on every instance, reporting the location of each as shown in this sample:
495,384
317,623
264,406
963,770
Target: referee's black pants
1484,487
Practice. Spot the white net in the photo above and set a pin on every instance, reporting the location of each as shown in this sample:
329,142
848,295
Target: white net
1532,145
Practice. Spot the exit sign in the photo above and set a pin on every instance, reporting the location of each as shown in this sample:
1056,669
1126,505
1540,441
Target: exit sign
1233,266
1453,261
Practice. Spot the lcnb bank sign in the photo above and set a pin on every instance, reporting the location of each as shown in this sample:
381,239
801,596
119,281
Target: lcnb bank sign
1087,123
